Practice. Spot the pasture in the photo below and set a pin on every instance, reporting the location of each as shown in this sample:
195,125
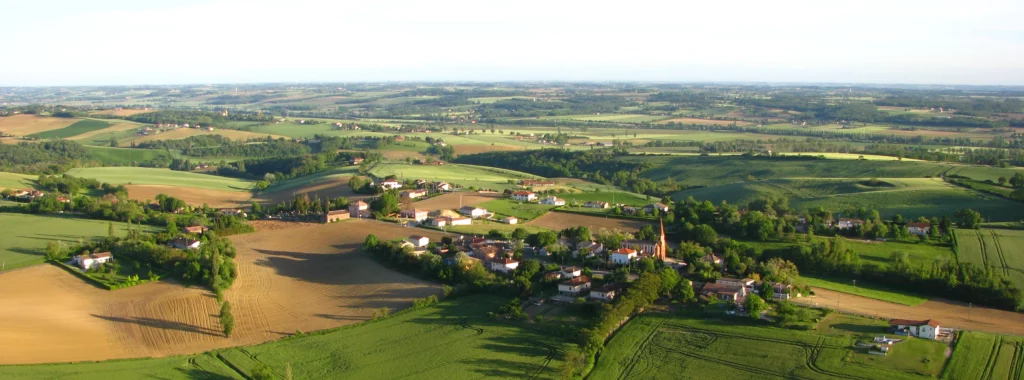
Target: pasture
473,345
26,236
96,137
521,210
684,347
78,128
985,356
700,121
996,249
452,201
715,170
122,112
155,176
24,125
125,156
306,278
17,180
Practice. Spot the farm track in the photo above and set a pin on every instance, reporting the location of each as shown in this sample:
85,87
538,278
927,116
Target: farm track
640,348
999,252
1018,361
984,250
990,365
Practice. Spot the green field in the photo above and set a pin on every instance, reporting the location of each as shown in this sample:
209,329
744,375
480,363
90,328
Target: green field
25,236
312,179
917,253
125,156
452,340
154,176
612,118
463,175
984,356
665,347
862,289
522,210
79,127
911,197
16,180
997,249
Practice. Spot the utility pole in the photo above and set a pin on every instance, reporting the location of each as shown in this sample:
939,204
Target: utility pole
968,311
854,286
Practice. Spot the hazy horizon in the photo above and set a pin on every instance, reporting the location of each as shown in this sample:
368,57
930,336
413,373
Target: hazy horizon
118,42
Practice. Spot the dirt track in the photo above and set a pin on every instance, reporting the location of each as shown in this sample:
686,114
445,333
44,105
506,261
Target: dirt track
305,278
948,313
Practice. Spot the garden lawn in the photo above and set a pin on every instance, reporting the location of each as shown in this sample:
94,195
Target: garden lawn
25,236
521,210
154,176
17,181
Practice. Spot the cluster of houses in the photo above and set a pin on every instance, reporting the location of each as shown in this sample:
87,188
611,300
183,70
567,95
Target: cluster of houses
161,127
30,194
914,228
529,196
736,290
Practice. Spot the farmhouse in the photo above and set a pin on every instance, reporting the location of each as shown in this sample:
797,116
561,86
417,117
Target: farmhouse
656,206
89,261
711,258
412,194
336,215
504,265
554,201
459,221
596,204
525,196
574,287
592,247
845,223
419,241
390,184
732,281
417,215
357,161
781,291
194,229
623,255
439,222
605,293
359,209
919,228
510,220
731,293
442,186
928,328
233,212
183,243
473,212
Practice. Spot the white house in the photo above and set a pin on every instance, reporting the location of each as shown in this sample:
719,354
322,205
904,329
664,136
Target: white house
183,243
623,255
919,228
781,291
442,186
510,220
656,206
419,241
89,261
391,184
504,265
439,222
574,287
525,196
594,248
414,214
472,212
412,194
845,223
605,293
596,204
459,221
922,329
553,201
571,272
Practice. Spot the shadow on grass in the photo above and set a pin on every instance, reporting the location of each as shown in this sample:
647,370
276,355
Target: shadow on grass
201,374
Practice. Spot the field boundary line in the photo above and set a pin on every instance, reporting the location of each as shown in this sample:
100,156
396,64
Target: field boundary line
991,363
999,252
640,347
232,366
984,250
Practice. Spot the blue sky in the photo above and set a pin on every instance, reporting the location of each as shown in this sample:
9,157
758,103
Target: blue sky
111,42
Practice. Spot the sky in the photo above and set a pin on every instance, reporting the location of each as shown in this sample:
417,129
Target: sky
118,42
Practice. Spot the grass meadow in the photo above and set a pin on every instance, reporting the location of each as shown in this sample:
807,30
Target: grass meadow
452,340
125,156
985,356
997,249
155,176
26,236
695,347
17,180
79,127
877,292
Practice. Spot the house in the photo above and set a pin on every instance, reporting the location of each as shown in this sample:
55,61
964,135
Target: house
574,287
928,328
336,215
781,291
553,201
656,206
504,265
845,223
919,228
592,247
570,271
656,249
417,215
510,220
419,241
731,293
459,221
183,243
357,160
194,229
472,212
524,196
439,222
711,258
442,186
234,212
89,261
623,255
413,194
605,293
420,184
390,184
596,204
630,209
536,182
359,209
732,281
399,138
63,200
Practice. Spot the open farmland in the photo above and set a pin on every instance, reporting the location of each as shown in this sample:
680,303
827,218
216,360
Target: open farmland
981,356
474,347
997,249
16,180
331,183
305,279
112,130
191,195
125,156
154,176
189,132
23,125
25,236
453,201
122,112
611,118
463,175
663,346
521,210
699,121
79,127
561,220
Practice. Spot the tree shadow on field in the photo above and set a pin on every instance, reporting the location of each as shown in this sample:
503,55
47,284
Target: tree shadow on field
201,374
161,324
498,368
337,317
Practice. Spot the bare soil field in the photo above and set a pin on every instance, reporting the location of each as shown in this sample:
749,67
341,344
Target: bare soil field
114,128
307,279
694,120
560,220
122,112
191,195
273,225
21,125
451,201
402,154
949,313
187,132
334,188
480,148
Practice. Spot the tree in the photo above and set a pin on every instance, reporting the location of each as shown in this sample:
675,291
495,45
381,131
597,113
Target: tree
705,235
227,320
263,372
968,218
386,204
371,242
755,305
256,208
683,292
520,233
110,229
546,238
647,233
172,227
1017,181
1002,181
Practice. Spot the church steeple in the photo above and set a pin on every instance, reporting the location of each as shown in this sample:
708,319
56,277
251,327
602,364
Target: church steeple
661,249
